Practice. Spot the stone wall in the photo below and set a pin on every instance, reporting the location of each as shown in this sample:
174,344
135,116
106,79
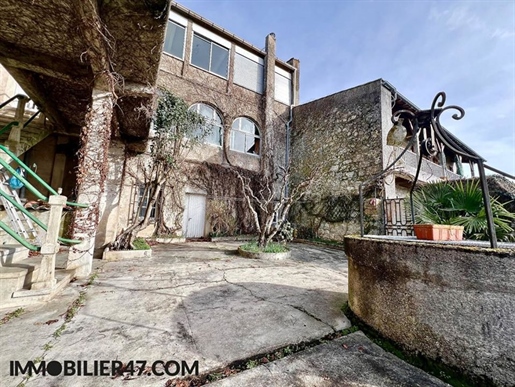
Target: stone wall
231,101
344,130
454,304
195,85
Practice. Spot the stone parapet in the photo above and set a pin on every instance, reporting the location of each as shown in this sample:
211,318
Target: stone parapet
451,303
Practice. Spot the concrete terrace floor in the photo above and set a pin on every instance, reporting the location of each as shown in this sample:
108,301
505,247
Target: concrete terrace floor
200,301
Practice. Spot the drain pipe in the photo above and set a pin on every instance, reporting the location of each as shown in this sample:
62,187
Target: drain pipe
287,153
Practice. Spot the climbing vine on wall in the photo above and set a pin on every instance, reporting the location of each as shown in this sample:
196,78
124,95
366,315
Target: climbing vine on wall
222,185
309,214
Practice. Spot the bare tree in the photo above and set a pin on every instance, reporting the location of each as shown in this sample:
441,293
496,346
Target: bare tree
175,132
271,203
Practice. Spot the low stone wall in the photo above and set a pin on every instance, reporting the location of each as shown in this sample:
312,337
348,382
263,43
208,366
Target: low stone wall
450,303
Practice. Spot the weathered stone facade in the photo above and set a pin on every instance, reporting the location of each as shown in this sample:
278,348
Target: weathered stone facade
349,124
355,129
230,101
453,304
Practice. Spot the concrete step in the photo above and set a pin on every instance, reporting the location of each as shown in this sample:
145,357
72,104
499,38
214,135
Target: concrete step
11,280
15,276
10,254
31,264
26,297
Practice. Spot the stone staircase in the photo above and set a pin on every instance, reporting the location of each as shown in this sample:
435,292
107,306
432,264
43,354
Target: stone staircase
23,279
36,131
19,275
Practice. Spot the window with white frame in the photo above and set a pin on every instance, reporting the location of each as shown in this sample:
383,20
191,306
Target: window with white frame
248,70
283,86
213,126
245,136
174,39
209,56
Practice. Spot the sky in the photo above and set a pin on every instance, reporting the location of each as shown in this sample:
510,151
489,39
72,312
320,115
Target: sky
464,48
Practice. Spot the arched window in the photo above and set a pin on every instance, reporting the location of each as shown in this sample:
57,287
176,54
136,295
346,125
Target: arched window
213,124
245,136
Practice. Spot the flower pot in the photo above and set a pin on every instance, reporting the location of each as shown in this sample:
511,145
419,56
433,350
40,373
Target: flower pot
438,232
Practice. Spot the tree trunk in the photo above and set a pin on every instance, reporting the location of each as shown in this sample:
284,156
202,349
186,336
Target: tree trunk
262,241
125,240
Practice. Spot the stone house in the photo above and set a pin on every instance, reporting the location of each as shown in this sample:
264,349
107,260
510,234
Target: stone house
357,125
95,128
245,93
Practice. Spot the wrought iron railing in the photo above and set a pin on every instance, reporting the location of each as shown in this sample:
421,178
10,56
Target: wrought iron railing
431,145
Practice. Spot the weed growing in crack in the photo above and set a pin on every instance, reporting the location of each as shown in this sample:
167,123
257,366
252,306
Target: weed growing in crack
47,347
215,376
92,278
251,364
75,306
9,316
59,331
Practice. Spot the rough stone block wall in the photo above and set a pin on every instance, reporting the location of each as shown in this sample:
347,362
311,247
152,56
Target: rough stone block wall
453,304
348,124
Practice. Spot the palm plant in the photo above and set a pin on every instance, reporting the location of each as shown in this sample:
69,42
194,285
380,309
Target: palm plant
461,204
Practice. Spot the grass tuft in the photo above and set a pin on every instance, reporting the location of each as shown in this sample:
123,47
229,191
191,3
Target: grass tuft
270,248
140,244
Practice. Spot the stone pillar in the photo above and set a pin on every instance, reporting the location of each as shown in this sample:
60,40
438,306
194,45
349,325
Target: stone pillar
113,213
91,178
295,80
46,276
13,142
269,94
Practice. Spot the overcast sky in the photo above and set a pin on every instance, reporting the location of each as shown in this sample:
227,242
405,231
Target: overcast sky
465,48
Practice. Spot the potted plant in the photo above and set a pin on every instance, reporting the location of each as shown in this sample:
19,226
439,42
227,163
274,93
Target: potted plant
438,232
451,211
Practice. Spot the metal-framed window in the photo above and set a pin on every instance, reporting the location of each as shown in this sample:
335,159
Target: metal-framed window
174,40
245,136
213,124
209,56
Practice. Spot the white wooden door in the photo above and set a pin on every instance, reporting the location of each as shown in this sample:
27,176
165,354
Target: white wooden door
194,216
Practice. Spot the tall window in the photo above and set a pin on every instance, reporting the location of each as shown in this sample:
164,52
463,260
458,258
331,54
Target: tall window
245,136
283,86
213,125
210,56
174,40
248,70
140,198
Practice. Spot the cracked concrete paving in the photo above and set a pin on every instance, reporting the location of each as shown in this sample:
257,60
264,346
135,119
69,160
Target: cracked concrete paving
352,360
194,301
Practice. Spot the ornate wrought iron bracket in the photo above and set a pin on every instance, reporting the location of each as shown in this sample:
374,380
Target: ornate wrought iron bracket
430,146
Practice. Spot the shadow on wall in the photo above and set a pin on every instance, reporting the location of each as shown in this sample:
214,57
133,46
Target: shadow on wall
335,216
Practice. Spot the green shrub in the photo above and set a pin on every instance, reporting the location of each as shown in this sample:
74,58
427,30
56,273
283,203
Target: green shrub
461,204
140,244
